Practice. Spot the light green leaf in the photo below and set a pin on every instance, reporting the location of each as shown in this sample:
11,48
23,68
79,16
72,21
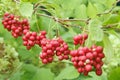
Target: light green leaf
80,12
26,9
100,7
95,30
91,10
114,18
114,33
108,49
81,77
89,41
95,77
17,76
43,74
109,3
68,73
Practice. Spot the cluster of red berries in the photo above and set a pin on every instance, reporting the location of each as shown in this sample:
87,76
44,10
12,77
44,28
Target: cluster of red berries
32,38
52,47
80,39
85,58
13,24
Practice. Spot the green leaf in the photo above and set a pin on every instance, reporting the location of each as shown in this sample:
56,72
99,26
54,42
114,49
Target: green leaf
95,30
81,77
33,1
100,7
108,49
29,71
114,33
69,34
114,18
95,77
80,12
109,3
91,10
24,53
89,41
68,73
26,9
114,74
43,74
17,76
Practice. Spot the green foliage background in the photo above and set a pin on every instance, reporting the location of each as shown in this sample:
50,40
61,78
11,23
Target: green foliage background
99,18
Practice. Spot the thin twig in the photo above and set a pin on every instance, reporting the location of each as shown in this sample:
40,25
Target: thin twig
62,21
114,5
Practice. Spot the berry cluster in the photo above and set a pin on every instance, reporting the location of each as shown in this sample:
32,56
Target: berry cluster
52,47
31,38
84,58
13,24
80,39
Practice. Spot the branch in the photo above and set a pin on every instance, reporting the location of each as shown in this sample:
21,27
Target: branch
62,21
112,26
106,12
114,5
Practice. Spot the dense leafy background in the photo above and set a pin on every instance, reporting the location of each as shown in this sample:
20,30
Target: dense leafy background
100,18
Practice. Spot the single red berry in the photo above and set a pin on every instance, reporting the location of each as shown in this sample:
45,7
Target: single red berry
99,72
88,67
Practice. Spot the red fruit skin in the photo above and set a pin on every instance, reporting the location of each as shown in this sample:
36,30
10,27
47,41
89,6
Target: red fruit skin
74,53
98,60
60,57
85,73
101,55
43,32
99,72
89,55
44,61
99,49
66,57
95,54
82,58
85,36
81,53
79,70
50,59
88,67
81,63
76,38
98,66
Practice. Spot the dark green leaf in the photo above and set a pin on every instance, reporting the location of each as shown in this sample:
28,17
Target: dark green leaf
114,74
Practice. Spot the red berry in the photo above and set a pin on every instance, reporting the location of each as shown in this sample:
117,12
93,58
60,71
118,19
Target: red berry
99,49
44,61
88,67
89,55
81,63
99,72
80,70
